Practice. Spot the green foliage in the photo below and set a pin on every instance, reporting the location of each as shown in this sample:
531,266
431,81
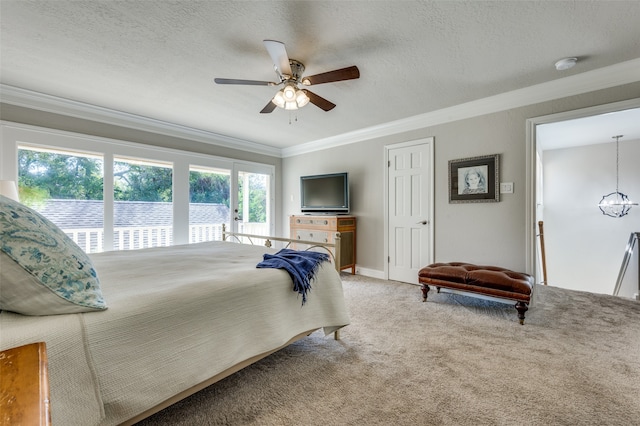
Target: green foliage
134,182
209,188
44,175
32,197
257,197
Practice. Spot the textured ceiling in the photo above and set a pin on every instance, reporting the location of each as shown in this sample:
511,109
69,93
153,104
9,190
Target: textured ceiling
158,59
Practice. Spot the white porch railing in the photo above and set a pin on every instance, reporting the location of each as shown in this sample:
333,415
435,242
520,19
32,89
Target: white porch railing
91,240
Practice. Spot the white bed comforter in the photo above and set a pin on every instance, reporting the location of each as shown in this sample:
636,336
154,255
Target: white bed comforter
177,316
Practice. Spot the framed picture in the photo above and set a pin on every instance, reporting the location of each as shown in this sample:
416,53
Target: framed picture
475,180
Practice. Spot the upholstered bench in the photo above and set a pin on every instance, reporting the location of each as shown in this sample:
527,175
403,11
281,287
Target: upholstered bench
491,282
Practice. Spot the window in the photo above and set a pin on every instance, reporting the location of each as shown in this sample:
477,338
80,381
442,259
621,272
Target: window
111,194
67,188
208,203
143,203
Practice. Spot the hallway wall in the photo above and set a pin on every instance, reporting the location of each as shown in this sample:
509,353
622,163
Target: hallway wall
584,248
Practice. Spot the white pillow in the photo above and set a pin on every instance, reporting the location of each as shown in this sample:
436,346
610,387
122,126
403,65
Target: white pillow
42,271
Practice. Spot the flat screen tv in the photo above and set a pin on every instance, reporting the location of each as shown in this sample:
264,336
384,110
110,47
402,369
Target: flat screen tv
328,193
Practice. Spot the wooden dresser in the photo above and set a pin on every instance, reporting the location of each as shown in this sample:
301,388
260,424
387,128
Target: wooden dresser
322,228
24,386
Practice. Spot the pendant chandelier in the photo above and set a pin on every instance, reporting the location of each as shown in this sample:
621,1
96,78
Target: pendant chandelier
616,204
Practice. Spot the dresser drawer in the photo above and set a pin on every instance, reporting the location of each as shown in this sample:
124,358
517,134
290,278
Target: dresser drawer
314,222
312,235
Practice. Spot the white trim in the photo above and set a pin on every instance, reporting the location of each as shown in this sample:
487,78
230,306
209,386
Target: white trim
196,158
589,81
367,272
53,104
602,78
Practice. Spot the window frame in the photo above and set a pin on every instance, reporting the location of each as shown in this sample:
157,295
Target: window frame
14,135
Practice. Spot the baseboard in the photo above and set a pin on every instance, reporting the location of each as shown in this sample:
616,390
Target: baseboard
372,273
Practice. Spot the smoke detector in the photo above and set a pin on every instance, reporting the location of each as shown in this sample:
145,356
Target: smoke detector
566,63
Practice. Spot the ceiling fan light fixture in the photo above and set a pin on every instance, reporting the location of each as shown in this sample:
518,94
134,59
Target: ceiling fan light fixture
290,97
289,92
301,98
278,99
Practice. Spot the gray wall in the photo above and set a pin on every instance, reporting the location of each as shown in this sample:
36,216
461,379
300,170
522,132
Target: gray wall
486,233
491,233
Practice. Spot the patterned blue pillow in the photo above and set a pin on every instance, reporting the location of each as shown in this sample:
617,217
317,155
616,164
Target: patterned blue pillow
42,271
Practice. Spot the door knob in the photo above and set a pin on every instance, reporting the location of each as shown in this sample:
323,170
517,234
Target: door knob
424,222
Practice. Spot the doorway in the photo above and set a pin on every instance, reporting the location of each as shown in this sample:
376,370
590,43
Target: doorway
253,199
571,164
409,213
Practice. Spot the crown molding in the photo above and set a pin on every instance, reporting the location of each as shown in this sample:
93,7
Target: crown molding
53,104
589,81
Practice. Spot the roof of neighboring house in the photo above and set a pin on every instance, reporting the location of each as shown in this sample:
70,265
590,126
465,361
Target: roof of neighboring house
90,213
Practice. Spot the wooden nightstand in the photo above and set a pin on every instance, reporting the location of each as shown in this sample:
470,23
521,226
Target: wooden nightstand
24,386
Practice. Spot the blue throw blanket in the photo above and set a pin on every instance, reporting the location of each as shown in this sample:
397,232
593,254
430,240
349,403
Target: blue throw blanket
301,266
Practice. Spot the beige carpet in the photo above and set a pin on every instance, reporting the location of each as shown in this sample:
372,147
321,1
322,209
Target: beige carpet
451,361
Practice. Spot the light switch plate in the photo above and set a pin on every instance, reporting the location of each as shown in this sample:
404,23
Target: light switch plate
506,187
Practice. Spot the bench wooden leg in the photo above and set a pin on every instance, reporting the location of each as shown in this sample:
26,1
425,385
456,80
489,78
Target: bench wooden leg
521,307
425,292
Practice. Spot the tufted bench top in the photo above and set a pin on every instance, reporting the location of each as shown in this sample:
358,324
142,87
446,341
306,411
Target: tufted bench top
492,280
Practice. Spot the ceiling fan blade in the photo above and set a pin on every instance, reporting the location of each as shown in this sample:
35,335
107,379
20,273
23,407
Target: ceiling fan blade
342,74
319,101
246,82
268,108
279,57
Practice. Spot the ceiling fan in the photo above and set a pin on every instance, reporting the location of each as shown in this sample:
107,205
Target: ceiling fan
289,72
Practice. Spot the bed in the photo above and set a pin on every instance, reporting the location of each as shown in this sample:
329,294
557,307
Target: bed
177,319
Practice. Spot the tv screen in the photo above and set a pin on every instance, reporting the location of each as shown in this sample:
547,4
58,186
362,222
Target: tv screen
327,193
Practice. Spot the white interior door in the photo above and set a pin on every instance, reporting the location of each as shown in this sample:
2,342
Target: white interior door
410,209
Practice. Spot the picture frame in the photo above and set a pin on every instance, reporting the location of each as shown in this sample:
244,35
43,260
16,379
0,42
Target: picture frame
475,179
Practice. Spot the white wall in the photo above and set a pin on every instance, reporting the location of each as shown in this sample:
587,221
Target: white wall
584,248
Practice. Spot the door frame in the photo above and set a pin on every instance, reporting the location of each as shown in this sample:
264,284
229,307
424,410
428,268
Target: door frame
532,264
258,168
430,141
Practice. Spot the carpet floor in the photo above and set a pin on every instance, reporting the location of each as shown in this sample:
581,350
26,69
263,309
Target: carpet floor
454,360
